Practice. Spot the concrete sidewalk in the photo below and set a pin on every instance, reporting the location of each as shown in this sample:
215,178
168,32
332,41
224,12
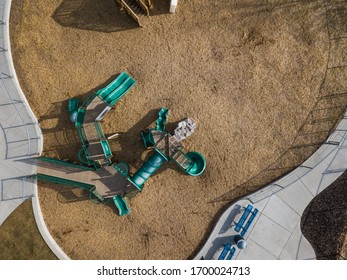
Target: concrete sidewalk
20,135
275,232
20,138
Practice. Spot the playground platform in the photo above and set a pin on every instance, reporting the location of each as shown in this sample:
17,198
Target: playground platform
108,182
96,150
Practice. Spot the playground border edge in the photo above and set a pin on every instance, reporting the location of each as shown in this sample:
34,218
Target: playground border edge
35,199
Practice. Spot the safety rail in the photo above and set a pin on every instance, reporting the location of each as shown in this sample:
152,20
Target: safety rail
66,163
65,182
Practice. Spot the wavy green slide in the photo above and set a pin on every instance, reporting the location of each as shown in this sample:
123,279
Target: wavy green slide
116,89
161,121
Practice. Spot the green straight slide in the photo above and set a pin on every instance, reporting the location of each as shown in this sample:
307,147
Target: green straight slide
121,205
116,89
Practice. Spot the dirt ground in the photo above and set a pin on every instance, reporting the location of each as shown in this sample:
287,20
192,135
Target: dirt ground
249,73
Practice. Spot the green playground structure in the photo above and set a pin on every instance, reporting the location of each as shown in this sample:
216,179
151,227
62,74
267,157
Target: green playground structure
95,147
161,121
121,205
116,89
168,148
98,174
147,170
73,109
198,163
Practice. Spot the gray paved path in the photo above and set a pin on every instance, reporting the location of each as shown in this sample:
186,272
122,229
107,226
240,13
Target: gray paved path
20,135
20,138
275,232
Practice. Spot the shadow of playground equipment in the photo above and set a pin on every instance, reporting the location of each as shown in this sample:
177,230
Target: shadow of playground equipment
59,131
55,126
319,124
130,145
102,16
64,142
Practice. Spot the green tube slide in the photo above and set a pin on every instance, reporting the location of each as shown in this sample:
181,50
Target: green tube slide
147,170
121,205
147,138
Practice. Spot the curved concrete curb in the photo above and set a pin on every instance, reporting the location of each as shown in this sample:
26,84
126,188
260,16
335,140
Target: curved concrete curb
34,142
21,134
44,231
275,233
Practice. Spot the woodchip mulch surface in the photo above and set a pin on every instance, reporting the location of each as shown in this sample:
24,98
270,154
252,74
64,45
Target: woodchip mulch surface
248,72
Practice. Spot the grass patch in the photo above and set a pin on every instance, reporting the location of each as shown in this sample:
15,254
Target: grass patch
20,238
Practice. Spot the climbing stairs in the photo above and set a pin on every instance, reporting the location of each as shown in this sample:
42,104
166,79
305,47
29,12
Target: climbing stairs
136,9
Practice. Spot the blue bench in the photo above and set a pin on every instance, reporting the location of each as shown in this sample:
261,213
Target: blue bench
225,251
241,223
249,222
231,253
